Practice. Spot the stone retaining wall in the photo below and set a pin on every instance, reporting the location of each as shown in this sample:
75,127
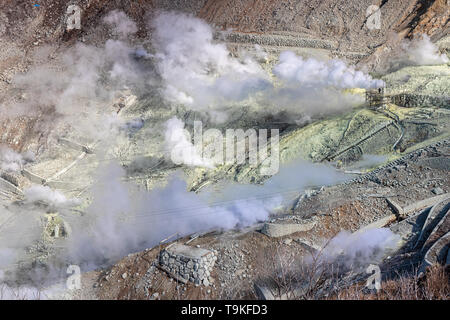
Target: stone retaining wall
185,263
409,156
409,100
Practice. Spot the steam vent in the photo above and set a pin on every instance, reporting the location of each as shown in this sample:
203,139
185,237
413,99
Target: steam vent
185,263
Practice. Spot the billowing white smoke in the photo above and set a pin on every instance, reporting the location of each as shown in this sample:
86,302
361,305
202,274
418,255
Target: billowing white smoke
197,71
8,256
421,51
368,161
124,219
310,87
312,73
54,198
259,53
21,224
361,248
13,161
202,75
122,25
179,148
29,292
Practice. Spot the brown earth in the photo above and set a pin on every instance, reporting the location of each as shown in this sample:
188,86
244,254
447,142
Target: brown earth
241,253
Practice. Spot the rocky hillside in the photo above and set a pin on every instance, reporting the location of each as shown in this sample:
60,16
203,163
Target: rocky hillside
86,116
324,28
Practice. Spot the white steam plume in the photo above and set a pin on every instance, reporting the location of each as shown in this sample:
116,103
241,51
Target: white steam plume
179,147
54,198
202,75
19,228
360,248
421,51
368,161
313,73
309,87
197,71
124,219
121,23
13,161
21,223
80,84
20,293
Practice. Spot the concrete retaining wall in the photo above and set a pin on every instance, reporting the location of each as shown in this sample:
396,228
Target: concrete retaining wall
283,229
422,204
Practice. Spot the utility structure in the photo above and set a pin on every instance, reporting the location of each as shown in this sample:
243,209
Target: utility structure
376,98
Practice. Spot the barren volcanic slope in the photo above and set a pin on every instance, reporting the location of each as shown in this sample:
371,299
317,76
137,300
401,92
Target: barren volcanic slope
325,28
126,147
